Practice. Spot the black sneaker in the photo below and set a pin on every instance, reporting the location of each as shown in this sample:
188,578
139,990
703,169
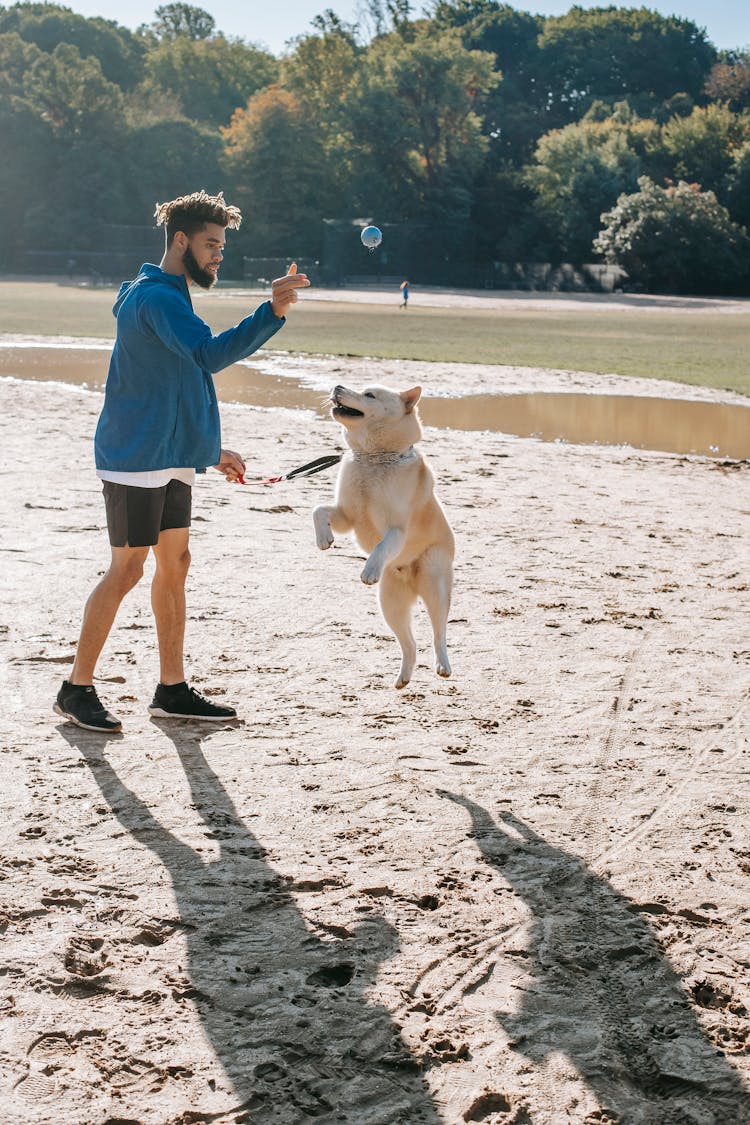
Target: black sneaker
81,705
178,701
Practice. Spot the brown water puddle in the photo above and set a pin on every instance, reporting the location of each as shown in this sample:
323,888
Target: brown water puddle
668,425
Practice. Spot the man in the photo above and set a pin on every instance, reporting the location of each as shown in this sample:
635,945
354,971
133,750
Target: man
158,426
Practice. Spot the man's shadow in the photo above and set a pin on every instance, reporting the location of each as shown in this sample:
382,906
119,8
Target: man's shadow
602,993
284,1010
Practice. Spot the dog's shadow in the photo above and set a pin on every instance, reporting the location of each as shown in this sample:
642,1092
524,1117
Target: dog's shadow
284,1009
601,991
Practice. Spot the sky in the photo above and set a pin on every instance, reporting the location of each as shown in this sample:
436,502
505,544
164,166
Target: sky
272,24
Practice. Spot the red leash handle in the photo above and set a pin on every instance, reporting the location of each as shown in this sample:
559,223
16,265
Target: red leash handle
257,480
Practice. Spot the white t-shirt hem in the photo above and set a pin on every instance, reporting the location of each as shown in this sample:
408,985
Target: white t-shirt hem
151,478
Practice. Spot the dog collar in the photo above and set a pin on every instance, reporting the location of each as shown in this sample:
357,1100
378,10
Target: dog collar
385,457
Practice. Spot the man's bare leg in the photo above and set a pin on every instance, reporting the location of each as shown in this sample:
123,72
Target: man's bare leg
125,571
173,698
168,601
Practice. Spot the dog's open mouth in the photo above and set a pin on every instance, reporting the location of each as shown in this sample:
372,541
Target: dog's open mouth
345,411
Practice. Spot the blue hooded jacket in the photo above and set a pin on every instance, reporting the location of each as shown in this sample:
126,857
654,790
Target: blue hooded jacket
160,409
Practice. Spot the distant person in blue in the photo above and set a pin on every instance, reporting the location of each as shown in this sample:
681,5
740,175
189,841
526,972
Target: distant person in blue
159,426
404,294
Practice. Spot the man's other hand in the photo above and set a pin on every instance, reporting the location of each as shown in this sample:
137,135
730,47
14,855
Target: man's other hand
231,465
284,290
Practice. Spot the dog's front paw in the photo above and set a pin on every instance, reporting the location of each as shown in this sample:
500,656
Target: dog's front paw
322,525
371,574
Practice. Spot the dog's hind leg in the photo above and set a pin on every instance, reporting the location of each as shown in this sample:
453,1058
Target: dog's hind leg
434,584
396,599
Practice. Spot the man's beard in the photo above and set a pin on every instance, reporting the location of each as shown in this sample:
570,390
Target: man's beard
197,273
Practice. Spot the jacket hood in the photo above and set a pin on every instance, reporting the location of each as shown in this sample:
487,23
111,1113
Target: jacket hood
153,275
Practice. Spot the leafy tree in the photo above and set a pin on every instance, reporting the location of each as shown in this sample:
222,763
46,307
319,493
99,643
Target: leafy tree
146,105
28,161
485,25
182,21
512,131
275,158
508,224
515,114
620,53
323,73
701,146
580,170
209,77
26,171
729,82
16,58
416,118
82,114
118,51
89,194
372,18
674,239
384,16
737,185
72,94
164,159
322,70
399,12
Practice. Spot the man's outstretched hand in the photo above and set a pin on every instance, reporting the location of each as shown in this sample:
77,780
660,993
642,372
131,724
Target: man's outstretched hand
284,290
231,465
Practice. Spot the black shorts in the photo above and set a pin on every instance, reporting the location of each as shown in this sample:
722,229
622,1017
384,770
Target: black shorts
136,516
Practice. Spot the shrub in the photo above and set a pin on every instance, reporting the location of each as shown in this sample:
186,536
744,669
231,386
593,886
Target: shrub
675,239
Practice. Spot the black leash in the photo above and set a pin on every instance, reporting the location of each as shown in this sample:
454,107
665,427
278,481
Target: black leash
316,466
307,470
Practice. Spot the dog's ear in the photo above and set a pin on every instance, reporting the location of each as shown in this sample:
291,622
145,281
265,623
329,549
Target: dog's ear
411,398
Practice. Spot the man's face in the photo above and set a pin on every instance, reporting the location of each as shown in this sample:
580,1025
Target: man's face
203,255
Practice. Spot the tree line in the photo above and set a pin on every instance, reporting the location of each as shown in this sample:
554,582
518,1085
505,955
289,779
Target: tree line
482,133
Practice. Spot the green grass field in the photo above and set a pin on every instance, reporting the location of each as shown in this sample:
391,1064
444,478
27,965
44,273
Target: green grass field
706,348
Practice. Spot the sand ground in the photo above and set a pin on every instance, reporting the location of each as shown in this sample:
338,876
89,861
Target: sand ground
517,896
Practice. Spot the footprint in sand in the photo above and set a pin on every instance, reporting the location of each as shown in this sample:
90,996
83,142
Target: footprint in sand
85,957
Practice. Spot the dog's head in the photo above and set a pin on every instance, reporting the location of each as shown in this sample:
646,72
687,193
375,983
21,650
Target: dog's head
377,419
